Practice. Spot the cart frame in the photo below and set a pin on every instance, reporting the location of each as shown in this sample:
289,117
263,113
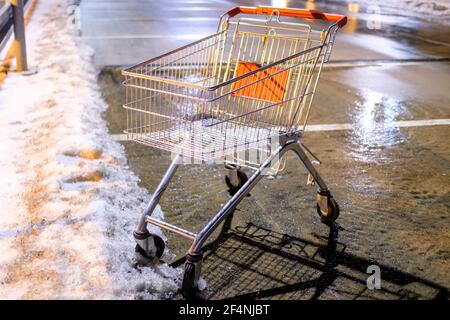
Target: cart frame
150,245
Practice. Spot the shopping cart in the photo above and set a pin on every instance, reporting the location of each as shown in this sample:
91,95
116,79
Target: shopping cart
241,95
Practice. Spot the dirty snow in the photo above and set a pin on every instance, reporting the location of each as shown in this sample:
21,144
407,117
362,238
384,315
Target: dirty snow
69,200
419,8
424,7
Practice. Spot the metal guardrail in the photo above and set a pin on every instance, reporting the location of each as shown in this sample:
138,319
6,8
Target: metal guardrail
6,22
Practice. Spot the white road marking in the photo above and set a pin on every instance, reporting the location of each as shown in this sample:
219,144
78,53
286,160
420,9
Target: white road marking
399,124
380,62
422,123
349,126
330,127
157,19
147,36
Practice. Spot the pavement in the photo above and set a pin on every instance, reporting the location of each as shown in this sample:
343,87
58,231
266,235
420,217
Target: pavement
391,180
128,32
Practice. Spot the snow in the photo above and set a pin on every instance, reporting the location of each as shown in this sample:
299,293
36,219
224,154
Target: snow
418,8
69,201
435,8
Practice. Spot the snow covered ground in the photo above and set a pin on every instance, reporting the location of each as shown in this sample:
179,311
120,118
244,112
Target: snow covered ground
69,202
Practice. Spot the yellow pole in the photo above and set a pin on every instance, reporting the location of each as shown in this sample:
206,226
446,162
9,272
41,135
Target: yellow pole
19,35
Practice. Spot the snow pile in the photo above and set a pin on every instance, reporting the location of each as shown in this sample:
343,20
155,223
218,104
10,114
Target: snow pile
439,8
419,8
69,201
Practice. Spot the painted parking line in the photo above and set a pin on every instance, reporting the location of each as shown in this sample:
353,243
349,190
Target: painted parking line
194,36
382,62
156,19
350,126
398,124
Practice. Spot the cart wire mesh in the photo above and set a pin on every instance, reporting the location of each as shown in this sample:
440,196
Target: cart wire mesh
237,90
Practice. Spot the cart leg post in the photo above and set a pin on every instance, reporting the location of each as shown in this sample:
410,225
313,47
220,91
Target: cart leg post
191,276
310,167
147,244
327,207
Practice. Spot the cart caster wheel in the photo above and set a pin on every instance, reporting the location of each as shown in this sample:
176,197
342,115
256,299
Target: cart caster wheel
188,288
332,212
157,244
232,190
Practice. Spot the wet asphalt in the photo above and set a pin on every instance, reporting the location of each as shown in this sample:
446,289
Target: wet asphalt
392,184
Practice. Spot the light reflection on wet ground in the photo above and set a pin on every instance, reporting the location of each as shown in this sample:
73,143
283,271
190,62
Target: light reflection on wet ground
392,184
373,116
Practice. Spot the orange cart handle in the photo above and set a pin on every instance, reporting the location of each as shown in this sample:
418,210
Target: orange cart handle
290,12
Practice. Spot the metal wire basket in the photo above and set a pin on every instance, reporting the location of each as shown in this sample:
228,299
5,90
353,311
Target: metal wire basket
233,91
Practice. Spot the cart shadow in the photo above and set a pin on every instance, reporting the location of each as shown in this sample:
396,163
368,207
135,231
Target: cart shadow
251,262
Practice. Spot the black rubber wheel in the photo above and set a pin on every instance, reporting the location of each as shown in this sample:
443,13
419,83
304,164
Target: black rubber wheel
160,246
232,190
333,213
188,288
